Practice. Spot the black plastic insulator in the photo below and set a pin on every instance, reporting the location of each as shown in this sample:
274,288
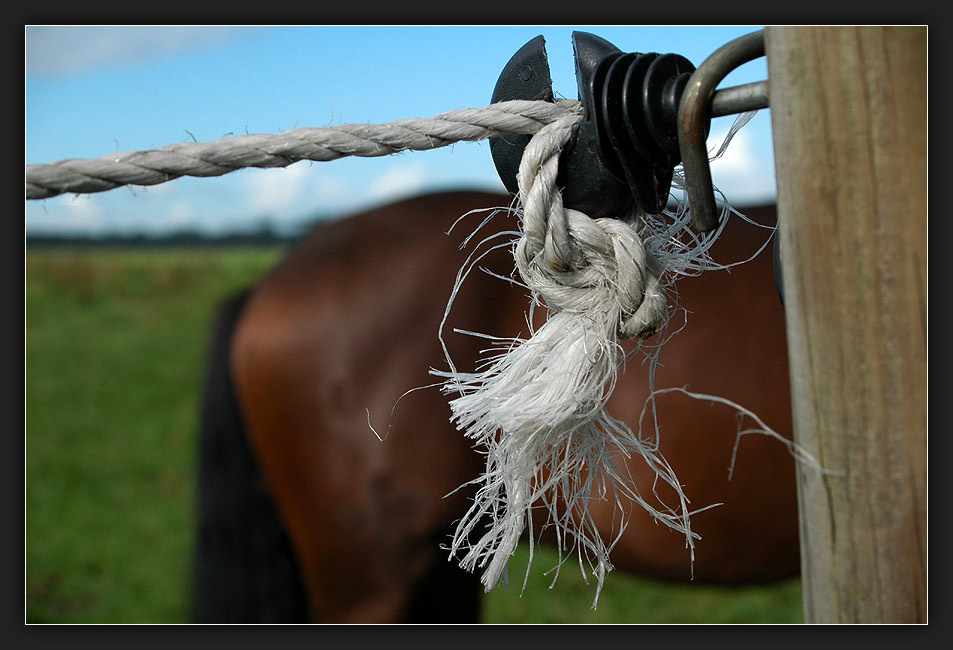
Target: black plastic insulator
637,117
525,76
626,148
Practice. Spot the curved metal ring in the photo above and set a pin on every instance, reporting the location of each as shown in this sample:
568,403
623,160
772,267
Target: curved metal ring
694,112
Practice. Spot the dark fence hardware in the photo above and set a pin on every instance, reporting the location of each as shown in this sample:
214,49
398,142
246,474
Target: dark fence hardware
644,113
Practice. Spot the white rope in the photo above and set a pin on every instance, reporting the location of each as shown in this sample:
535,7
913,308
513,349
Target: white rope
316,144
537,406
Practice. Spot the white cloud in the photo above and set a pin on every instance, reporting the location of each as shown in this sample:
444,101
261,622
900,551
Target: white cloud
303,190
273,191
82,214
399,180
332,193
62,50
741,173
299,191
181,216
83,208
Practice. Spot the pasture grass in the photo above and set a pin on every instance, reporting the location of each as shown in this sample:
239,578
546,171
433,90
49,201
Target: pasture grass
627,598
114,351
115,344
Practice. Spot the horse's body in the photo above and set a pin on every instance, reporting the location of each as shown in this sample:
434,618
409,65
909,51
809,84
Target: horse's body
349,321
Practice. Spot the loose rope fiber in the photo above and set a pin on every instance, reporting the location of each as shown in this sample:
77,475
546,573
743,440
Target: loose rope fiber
167,163
537,407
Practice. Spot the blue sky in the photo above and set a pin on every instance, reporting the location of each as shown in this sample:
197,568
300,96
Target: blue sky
94,91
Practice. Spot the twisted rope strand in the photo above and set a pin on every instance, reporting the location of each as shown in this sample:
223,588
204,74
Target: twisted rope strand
579,263
538,406
202,159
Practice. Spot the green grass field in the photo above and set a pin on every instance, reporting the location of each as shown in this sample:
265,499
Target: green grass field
115,352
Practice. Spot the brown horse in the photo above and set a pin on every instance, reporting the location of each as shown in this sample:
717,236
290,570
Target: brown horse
348,323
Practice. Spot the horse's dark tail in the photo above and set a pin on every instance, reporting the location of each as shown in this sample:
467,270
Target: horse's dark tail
244,567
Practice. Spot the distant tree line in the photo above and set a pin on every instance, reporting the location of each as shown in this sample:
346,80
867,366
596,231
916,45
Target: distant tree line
265,236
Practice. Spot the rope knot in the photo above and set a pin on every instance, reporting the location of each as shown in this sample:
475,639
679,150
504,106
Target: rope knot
537,407
600,266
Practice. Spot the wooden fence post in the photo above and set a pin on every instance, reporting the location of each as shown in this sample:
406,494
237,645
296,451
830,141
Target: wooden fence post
849,119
